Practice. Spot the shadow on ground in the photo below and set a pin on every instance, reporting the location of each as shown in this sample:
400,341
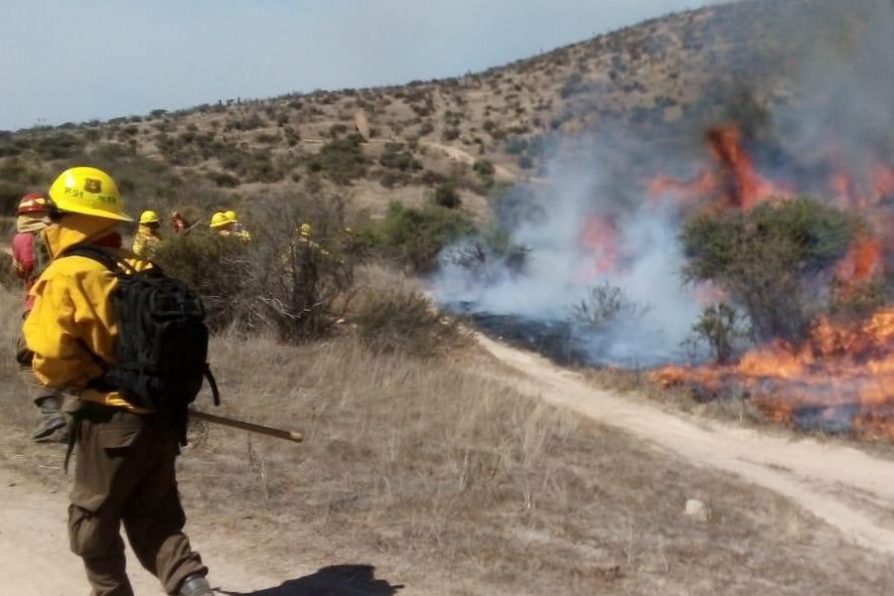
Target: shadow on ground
338,580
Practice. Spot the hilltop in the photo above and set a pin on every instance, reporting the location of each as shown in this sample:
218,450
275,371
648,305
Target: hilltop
450,140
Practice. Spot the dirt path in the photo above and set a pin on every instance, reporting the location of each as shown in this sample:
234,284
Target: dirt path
850,490
462,156
35,560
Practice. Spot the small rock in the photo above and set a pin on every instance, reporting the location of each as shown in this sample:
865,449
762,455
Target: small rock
697,510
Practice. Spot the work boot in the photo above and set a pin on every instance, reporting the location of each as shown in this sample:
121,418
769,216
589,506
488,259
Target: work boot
52,422
195,585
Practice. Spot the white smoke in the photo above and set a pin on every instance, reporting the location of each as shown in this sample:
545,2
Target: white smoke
562,268
843,76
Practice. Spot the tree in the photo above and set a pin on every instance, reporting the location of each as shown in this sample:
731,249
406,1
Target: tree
764,259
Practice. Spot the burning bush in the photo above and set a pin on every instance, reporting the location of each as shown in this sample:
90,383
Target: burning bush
766,259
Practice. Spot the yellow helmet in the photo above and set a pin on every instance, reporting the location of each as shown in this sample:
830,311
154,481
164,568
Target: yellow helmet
305,230
149,217
219,219
231,216
88,191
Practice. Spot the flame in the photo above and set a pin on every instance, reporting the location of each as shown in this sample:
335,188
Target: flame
601,245
849,192
732,182
862,264
842,378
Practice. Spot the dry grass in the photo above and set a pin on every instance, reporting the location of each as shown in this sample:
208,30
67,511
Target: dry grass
452,484
391,313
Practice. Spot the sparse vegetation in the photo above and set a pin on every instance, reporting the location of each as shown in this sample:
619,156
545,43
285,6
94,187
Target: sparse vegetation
341,160
722,330
400,320
605,305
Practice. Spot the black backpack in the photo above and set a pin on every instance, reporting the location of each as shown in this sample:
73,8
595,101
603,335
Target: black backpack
162,345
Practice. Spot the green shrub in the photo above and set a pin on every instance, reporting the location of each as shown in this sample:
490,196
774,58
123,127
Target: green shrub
852,304
416,237
426,129
216,268
397,157
446,196
450,134
484,168
224,179
341,160
764,259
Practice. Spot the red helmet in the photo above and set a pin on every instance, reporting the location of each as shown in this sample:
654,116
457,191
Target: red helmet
33,202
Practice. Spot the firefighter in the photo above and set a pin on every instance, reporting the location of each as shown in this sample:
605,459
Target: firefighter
124,469
236,228
225,223
306,236
220,223
30,258
148,238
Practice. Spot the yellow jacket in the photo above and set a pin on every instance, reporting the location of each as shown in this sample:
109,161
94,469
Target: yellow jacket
73,312
243,235
146,242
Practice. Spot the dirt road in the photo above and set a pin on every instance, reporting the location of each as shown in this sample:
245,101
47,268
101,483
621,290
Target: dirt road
34,556
461,156
849,489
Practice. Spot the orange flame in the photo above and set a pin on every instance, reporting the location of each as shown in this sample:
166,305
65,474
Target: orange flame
843,375
841,371
732,183
862,264
600,240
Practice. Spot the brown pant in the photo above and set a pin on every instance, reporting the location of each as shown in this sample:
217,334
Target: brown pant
125,473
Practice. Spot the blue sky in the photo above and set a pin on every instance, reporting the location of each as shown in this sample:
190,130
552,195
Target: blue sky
62,60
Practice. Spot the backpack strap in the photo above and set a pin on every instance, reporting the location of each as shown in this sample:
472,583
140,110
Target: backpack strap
121,268
103,256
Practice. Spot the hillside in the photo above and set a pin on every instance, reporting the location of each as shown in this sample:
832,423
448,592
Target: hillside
662,79
441,460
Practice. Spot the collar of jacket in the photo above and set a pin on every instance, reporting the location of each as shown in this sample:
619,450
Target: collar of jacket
74,229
